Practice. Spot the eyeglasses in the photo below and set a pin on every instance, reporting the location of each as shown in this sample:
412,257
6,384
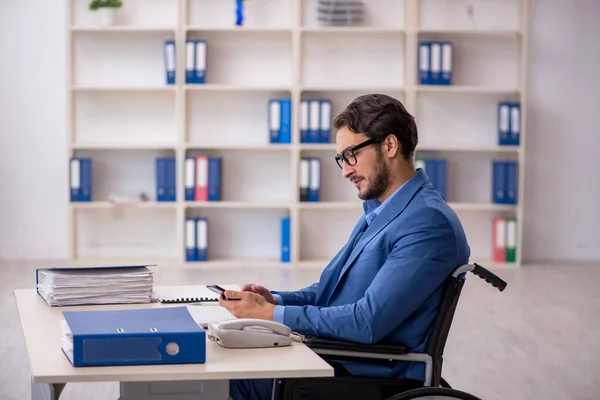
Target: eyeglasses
348,155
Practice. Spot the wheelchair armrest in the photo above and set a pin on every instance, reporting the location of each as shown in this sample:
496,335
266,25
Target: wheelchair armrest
341,345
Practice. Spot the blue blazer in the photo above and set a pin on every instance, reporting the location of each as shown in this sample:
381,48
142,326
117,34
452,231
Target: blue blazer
387,286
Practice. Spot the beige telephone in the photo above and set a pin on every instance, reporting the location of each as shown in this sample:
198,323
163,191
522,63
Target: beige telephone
250,333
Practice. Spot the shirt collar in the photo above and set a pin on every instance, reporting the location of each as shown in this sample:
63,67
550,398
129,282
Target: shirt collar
373,207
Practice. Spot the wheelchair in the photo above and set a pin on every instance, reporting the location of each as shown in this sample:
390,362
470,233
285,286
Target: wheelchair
345,386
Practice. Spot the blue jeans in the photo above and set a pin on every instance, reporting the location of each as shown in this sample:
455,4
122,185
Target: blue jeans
251,389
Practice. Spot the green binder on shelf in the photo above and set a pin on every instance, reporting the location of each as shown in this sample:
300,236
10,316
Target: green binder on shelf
511,240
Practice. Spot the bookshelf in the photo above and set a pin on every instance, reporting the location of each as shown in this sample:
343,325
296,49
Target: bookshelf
123,115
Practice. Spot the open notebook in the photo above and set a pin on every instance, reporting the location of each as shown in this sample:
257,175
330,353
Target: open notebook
203,304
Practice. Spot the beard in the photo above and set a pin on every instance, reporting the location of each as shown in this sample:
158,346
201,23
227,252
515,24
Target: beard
378,182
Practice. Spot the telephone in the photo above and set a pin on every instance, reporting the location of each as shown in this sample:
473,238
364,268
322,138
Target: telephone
250,332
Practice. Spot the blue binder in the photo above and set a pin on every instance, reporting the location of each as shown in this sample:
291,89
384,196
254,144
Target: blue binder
166,335
515,124
190,178
325,121
214,178
304,120
447,63
200,64
274,121
170,62
190,61
424,63
499,182
285,134
512,181
191,240
504,123
80,171
285,239
171,179
161,179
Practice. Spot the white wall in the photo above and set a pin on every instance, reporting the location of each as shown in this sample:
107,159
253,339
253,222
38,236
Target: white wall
563,131
33,170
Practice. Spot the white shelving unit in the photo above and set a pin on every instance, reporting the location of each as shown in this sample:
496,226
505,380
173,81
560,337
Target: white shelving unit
122,113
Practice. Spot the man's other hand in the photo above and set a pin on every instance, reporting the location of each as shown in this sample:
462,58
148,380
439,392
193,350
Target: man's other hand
260,290
249,305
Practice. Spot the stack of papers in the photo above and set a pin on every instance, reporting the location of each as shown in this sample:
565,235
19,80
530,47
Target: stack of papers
95,285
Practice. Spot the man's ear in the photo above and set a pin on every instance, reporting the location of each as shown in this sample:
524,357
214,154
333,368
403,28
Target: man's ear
392,145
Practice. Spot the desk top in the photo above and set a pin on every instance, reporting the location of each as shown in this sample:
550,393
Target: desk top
41,329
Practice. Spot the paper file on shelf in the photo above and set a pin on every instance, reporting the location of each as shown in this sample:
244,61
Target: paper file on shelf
95,285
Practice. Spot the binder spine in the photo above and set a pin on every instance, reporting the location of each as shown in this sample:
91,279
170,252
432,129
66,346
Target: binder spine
499,182
190,178
285,239
75,179
325,123
285,134
515,124
171,179
214,179
170,62
191,243
447,63
86,179
424,63
314,184
274,120
138,349
190,61
503,123
202,237
200,62
315,118
304,121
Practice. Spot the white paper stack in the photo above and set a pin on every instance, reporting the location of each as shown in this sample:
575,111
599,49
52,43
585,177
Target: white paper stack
95,285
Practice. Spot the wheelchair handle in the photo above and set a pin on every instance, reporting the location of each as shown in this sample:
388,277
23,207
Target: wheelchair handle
489,277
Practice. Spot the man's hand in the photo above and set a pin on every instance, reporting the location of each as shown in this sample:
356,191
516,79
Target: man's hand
260,290
250,305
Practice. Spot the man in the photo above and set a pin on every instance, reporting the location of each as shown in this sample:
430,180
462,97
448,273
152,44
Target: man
385,285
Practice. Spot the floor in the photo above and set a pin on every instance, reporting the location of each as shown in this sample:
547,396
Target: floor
539,339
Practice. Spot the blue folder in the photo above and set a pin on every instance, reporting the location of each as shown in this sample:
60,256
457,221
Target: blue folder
166,335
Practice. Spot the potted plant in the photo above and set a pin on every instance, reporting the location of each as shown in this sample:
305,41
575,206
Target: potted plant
106,10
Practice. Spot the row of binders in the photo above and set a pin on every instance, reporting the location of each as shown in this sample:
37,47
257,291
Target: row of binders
505,181
197,244
309,181
436,170
504,239
509,123
435,63
315,120
195,58
203,178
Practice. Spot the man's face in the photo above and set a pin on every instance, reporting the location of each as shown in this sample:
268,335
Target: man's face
370,175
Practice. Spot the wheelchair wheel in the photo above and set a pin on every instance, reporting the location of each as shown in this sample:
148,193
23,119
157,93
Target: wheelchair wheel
433,393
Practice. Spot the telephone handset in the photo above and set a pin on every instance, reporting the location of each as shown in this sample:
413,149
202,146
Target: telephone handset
250,333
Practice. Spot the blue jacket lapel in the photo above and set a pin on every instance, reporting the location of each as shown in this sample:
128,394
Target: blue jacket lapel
393,209
330,275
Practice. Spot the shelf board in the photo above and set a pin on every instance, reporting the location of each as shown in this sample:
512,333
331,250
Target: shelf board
470,149
265,205
351,88
482,206
351,29
101,205
465,89
330,205
235,88
108,88
123,28
239,29
241,147
123,146
239,263
474,32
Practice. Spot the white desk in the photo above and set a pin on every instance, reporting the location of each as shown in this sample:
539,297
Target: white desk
51,370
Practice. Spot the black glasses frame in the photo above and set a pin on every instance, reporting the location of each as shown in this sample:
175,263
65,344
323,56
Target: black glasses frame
339,158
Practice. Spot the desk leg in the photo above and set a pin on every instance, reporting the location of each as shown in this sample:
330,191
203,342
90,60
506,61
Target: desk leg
46,391
183,390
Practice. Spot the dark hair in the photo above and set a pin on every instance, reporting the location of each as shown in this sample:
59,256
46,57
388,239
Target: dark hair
377,116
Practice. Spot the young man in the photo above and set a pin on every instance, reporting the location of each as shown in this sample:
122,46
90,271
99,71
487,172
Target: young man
385,285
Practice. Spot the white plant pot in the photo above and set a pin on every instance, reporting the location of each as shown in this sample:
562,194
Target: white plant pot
106,16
